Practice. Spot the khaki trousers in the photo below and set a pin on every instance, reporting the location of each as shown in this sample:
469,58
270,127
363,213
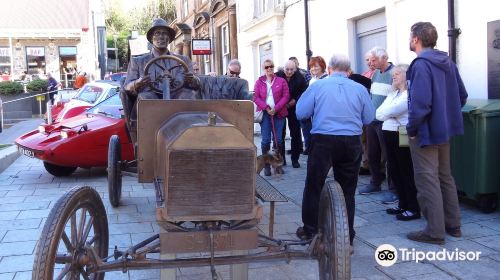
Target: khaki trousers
436,190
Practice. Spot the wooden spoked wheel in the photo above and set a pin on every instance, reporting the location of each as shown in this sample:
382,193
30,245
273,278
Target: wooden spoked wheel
334,253
76,223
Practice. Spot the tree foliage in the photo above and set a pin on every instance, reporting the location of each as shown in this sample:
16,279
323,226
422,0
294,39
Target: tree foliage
139,18
142,17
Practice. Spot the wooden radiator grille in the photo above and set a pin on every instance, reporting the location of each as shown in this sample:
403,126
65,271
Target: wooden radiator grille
210,182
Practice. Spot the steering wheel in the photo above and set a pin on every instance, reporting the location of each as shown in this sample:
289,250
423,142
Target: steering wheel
167,73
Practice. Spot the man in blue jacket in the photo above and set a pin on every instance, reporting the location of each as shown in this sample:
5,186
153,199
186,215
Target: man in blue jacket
436,96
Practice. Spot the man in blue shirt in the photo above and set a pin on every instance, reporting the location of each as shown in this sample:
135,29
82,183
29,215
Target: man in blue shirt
339,108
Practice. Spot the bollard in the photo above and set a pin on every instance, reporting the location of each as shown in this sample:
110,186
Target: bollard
1,115
49,112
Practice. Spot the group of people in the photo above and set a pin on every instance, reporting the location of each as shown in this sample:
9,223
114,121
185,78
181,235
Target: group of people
277,94
332,106
425,98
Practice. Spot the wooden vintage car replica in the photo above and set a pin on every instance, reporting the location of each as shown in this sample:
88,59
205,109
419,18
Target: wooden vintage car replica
200,156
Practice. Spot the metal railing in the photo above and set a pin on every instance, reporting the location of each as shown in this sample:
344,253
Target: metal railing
49,105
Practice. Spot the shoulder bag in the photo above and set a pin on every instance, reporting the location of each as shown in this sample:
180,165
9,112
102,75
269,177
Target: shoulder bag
258,114
403,136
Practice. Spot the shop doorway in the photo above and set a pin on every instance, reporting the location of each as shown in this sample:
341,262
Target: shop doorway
68,67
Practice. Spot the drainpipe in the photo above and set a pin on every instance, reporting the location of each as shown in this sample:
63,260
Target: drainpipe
308,50
452,31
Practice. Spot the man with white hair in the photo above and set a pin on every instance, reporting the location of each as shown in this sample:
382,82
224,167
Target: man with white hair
381,86
297,85
339,108
233,68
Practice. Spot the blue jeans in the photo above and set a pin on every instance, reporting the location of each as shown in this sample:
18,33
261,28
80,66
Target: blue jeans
266,129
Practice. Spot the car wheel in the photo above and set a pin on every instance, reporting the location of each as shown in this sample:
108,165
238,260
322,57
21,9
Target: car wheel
114,171
57,170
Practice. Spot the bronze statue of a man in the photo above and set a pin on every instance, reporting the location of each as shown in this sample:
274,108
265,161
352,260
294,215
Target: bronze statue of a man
141,85
163,75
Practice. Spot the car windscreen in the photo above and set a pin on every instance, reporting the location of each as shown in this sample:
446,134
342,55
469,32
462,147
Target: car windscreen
118,76
64,95
89,93
110,107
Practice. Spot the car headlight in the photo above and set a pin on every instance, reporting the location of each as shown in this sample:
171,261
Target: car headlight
41,129
64,134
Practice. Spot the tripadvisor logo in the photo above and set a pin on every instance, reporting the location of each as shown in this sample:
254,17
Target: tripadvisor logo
387,255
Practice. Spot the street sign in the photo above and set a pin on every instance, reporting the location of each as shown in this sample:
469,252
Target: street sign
40,98
201,46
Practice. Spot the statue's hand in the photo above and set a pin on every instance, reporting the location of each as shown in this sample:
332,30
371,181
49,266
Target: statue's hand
191,81
141,83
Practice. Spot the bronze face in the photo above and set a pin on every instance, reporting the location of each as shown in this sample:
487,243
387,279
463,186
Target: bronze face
161,38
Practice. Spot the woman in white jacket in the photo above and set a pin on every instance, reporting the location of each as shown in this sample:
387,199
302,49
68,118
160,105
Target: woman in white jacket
394,113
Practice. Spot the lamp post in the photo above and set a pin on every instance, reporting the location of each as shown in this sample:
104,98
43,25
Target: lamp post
115,36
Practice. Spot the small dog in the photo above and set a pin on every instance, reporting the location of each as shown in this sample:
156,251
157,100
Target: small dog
274,159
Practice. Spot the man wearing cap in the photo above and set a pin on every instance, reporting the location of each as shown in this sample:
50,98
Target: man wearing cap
136,83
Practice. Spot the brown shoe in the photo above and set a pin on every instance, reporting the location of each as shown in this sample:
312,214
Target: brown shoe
421,236
455,232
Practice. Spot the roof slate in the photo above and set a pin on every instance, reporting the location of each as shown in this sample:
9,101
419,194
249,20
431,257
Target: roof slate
44,14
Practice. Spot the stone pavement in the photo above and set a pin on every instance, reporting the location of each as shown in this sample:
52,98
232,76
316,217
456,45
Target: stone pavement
27,193
10,134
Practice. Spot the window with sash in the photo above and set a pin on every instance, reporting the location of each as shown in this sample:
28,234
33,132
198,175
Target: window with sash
224,35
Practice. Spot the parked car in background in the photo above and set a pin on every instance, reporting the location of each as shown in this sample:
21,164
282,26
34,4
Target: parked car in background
90,94
116,76
62,97
80,141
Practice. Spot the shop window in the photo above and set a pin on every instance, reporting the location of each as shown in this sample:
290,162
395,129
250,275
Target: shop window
5,60
35,56
262,6
224,33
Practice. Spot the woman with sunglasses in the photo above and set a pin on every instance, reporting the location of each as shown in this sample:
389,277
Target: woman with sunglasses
271,95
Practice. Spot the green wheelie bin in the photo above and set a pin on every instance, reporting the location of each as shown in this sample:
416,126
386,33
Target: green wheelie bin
475,155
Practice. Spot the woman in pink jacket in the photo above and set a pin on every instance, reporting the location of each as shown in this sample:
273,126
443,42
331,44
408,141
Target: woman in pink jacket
271,95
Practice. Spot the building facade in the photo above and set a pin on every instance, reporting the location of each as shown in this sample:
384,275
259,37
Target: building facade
213,21
60,37
276,29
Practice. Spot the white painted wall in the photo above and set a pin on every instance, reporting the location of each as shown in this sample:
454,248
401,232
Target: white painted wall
332,31
254,32
472,18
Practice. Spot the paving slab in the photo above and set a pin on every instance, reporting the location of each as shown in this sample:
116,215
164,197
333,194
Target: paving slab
17,248
403,269
7,276
484,269
492,241
22,235
16,263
